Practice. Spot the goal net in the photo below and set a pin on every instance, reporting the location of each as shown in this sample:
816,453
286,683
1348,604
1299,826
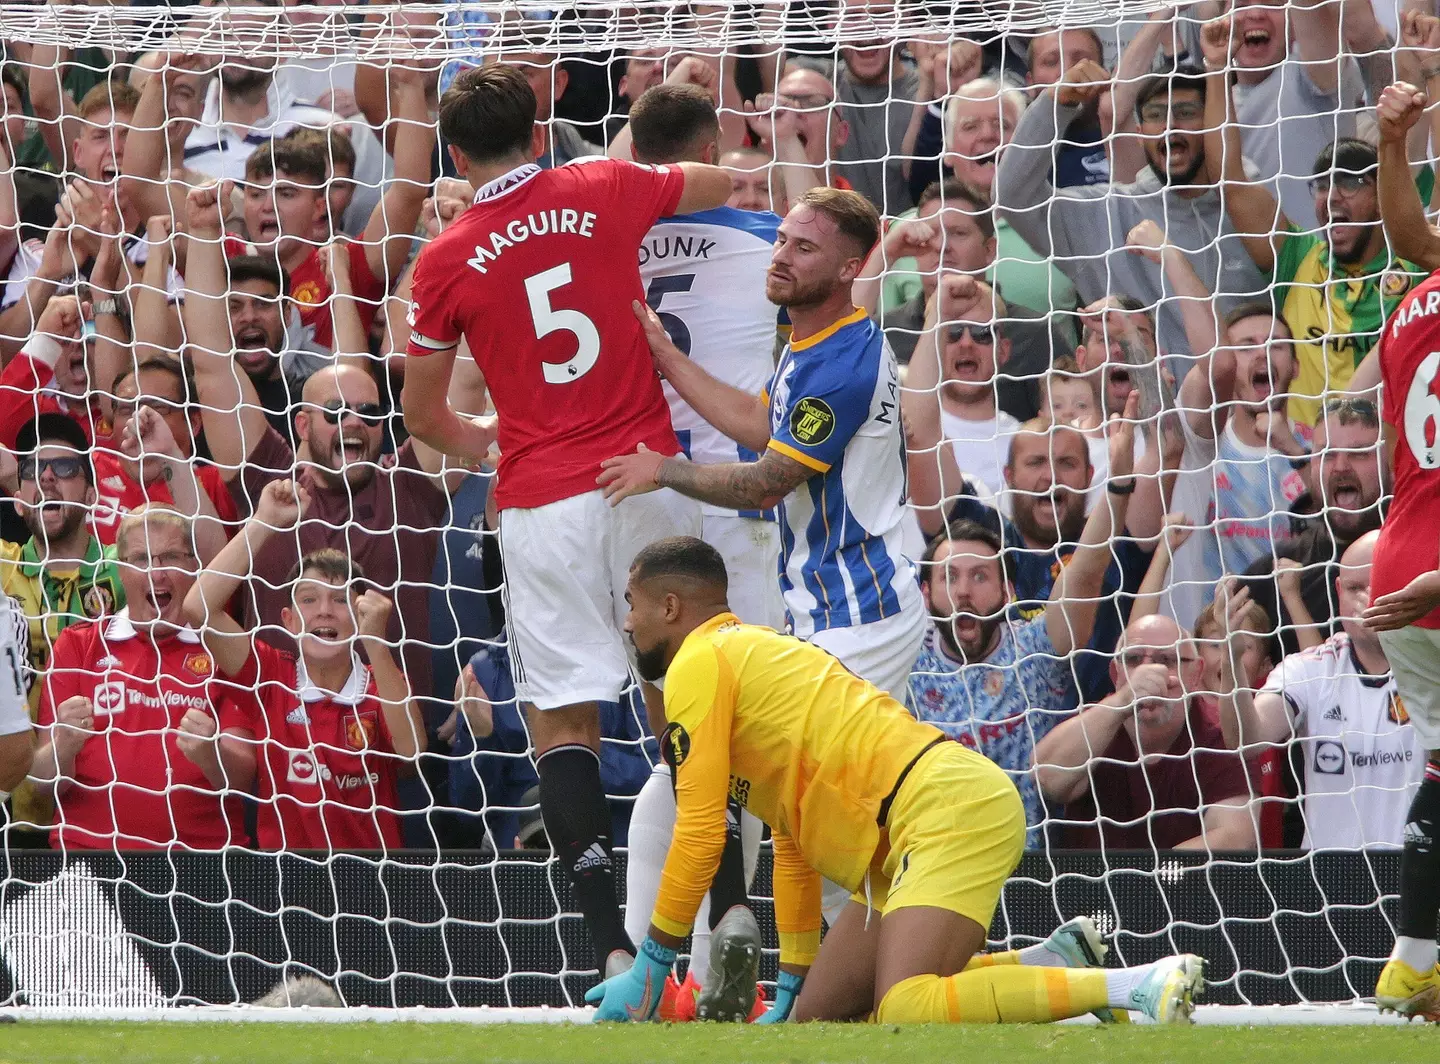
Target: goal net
1081,201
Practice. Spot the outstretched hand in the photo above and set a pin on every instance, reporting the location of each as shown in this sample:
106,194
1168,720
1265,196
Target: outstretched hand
630,474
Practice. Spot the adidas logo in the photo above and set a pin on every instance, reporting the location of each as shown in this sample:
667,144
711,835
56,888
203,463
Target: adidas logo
1334,713
297,716
109,661
594,857
1415,834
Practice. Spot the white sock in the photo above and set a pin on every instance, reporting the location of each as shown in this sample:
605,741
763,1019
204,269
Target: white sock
652,823
1419,953
700,945
1119,982
1041,956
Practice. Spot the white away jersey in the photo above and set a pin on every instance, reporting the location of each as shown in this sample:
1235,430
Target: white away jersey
1362,760
835,407
704,276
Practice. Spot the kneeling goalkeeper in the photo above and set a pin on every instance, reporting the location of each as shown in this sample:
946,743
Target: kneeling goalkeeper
854,789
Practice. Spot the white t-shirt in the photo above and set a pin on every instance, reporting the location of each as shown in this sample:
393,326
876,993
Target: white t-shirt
982,448
1363,762
1191,585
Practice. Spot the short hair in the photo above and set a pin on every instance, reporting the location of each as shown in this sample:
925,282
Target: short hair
56,429
851,212
683,556
1253,621
161,364
964,528
117,97
1066,368
1041,425
952,189
304,159
1182,76
1061,30
489,113
331,565
332,140
258,268
1256,308
669,122
985,90
153,513
1348,155
1348,410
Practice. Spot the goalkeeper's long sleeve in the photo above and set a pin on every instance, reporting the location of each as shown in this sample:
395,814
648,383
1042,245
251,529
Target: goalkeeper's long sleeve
797,903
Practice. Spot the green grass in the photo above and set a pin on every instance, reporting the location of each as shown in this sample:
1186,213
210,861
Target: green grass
194,1043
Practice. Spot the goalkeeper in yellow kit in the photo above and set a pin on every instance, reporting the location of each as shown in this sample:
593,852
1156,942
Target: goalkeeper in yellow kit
854,789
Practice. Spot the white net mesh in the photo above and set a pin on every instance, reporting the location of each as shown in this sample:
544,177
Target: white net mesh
1132,233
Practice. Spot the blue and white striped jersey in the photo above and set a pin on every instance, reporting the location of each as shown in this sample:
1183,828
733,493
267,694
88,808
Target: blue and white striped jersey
704,276
835,407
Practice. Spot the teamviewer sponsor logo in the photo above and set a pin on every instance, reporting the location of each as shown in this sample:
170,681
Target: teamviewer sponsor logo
1330,758
109,698
305,769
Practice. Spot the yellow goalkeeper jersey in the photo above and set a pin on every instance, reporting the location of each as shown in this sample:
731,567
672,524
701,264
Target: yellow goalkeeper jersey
792,736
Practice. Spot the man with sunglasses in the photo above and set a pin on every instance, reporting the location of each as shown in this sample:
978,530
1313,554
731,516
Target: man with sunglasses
386,516
1334,286
60,576
956,363
1146,768
1084,228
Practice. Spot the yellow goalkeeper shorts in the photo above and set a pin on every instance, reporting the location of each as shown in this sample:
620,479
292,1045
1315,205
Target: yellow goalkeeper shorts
955,831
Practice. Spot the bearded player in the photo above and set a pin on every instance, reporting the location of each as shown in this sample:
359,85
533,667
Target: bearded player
924,830
1405,576
704,276
538,277
832,457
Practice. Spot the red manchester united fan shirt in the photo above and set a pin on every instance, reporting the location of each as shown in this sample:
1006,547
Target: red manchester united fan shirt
133,788
326,765
1410,368
117,494
539,277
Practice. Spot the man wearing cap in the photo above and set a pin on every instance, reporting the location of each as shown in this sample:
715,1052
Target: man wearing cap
59,576
1335,286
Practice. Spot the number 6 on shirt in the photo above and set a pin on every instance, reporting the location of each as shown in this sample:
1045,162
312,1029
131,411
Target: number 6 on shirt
547,320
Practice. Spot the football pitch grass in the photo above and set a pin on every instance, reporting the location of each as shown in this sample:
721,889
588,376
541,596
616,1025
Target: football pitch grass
202,1043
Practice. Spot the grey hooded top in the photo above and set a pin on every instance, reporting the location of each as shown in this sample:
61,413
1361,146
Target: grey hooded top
1083,229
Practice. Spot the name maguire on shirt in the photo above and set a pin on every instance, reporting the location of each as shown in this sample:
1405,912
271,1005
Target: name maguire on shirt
556,221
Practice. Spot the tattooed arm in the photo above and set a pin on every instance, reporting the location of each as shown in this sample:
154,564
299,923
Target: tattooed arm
733,485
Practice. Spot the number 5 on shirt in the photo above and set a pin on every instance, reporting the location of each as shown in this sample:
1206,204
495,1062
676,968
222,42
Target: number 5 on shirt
548,320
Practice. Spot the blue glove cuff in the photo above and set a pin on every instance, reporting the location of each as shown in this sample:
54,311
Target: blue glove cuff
652,951
789,983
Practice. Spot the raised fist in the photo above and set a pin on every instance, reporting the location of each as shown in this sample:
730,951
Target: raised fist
1400,107
1083,83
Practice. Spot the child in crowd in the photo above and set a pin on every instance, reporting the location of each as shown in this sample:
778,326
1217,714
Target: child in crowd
325,735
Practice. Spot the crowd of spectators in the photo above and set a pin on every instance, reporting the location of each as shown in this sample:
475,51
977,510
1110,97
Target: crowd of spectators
1132,275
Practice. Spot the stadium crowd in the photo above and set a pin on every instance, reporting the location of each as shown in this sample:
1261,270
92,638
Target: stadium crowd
252,609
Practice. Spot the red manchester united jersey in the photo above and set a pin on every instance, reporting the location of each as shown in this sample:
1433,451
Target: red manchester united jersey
132,787
1410,367
539,277
326,768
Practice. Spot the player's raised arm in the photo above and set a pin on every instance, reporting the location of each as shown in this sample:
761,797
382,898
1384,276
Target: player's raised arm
706,187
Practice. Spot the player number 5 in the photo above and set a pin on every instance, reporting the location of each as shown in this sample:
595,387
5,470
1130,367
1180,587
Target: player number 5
1422,414
548,320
